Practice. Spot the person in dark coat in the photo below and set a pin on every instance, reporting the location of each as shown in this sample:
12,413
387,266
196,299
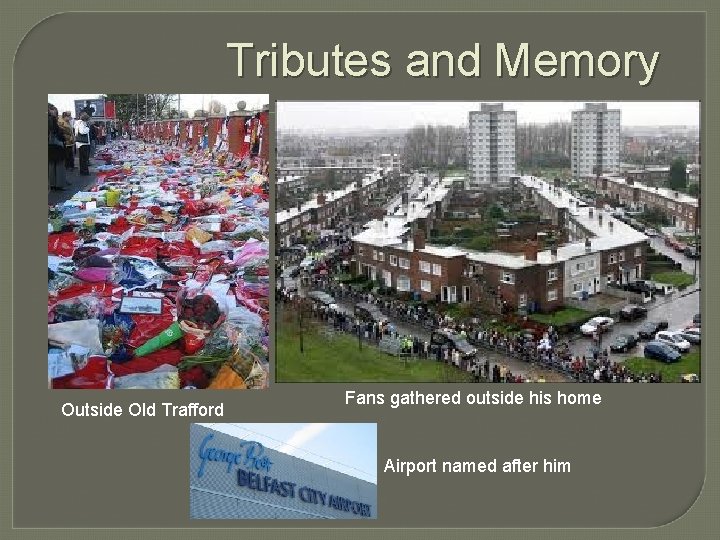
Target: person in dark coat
56,151
65,124
496,374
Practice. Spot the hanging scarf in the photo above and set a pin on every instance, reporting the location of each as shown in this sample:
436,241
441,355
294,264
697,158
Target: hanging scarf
203,142
189,133
221,140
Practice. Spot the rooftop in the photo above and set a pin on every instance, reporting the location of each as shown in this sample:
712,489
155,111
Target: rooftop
287,179
499,258
289,213
666,193
606,232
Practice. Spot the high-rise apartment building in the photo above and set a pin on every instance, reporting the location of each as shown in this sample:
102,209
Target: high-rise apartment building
491,145
595,140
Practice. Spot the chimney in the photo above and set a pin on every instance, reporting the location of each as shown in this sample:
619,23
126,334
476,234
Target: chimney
553,252
588,245
590,211
610,225
531,250
299,207
677,195
321,199
418,240
600,218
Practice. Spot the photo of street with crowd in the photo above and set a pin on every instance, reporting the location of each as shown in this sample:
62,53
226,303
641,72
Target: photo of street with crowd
503,242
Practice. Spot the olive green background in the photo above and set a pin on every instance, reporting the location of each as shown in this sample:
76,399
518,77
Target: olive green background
639,460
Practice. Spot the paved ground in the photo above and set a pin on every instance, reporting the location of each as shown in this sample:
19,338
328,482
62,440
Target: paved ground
678,308
77,183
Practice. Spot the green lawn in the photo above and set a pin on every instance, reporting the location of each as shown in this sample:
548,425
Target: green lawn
676,278
562,316
338,359
689,363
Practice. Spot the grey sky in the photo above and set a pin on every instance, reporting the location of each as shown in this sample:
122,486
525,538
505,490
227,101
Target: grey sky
331,115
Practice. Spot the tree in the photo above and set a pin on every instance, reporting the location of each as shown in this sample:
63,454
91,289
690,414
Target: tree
495,212
332,181
130,106
678,175
655,217
481,243
159,103
435,146
693,189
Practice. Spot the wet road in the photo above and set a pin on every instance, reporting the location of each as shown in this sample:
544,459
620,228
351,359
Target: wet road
678,310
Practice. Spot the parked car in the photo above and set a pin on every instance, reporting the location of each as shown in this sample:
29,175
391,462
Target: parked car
648,329
323,298
596,324
689,378
635,224
674,340
651,232
445,336
639,286
661,351
691,334
624,343
291,272
307,263
369,312
664,289
632,312
293,252
696,319
691,252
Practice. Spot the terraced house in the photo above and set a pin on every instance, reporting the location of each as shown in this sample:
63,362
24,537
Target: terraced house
601,251
680,210
327,210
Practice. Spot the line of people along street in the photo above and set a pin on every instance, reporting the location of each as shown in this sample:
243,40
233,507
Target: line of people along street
549,352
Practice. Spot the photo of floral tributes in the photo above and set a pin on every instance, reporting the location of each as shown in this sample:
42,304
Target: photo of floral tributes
158,267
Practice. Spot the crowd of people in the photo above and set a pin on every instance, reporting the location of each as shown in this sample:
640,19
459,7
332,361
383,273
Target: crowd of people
547,352
69,139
